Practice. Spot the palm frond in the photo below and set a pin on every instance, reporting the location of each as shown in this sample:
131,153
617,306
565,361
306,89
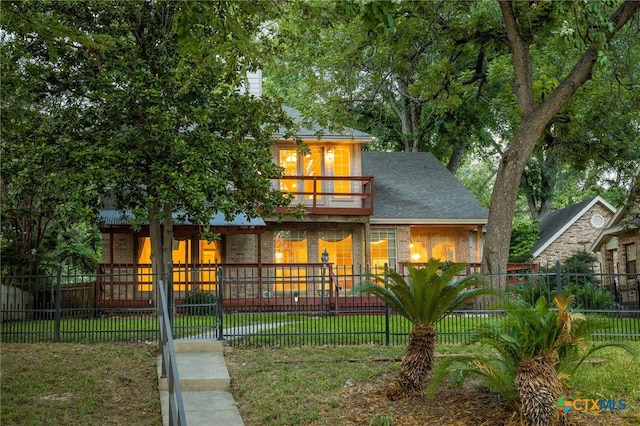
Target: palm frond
428,294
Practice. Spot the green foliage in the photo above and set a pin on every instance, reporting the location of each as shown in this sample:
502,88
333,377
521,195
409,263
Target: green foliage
140,98
78,247
525,332
524,235
577,279
429,294
201,302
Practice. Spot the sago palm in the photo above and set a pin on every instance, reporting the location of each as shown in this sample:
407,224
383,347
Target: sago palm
428,295
535,347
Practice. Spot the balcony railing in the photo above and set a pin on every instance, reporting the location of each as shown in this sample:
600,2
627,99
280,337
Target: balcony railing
332,195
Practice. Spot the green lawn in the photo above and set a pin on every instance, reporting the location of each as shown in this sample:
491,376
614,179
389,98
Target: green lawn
115,383
291,329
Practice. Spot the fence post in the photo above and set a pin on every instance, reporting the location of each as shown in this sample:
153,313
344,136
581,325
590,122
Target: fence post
387,331
56,337
220,279
558,278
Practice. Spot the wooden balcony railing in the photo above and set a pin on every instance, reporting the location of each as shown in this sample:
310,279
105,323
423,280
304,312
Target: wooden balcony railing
331,195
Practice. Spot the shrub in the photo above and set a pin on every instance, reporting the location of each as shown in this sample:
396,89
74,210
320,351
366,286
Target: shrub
200,302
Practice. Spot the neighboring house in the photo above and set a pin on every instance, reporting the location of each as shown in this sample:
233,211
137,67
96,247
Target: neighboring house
570,230
363,209
619,246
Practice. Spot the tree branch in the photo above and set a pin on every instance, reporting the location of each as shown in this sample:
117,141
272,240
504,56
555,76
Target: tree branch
581,72
523,81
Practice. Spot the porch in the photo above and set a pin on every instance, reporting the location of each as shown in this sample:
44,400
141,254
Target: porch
240,287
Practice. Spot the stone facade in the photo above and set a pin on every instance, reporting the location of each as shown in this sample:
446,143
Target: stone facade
578,237
241,248
123,249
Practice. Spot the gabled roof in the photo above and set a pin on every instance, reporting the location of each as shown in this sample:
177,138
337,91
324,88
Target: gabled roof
415,188
619,221
555,223
315,131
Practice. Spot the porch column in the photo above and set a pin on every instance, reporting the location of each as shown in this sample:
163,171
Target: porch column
367,244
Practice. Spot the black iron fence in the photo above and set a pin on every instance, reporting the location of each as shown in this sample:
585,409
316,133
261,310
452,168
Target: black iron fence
274,304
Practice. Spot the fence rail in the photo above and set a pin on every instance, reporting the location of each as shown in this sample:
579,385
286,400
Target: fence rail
273,304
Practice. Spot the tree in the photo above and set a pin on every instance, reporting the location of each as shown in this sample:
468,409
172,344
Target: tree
534,117
411,88
49,176
173,133
511,65
429,294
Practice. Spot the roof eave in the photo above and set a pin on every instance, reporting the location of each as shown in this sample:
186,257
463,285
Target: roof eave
416,221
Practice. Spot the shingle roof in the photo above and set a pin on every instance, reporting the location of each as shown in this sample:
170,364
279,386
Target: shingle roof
414,187
554,223
116,217
315,131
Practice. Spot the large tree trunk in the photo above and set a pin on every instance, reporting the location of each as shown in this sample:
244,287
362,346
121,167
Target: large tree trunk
533,121
161,236
157,264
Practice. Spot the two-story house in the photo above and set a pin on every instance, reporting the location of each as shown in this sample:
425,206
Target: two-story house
363,209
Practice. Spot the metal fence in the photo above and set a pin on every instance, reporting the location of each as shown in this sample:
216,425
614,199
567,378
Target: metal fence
274,304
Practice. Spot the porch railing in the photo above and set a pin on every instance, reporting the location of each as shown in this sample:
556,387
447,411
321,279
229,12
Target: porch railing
336,195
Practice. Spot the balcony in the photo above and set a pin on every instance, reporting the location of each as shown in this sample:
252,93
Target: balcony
328,195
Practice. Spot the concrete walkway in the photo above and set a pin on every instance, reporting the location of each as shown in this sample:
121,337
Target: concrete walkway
204,380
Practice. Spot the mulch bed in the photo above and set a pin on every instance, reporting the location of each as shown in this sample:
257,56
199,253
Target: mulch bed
368,404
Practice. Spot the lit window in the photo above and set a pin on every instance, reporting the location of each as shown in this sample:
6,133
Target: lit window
290,248
427,244
296,164
339,246
383,248
342,167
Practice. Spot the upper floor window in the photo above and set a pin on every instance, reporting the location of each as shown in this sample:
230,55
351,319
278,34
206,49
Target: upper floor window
339,158
330,160
296,164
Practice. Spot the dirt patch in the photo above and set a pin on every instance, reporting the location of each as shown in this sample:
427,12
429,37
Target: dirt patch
368,404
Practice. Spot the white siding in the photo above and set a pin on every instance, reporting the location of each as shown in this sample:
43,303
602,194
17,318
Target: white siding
254,80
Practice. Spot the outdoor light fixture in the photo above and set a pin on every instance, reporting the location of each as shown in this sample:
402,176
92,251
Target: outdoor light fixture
325,260
330,154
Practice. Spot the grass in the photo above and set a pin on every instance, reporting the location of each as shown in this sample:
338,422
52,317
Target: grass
305,381
309,382
615,378
291,328
116,384
79,384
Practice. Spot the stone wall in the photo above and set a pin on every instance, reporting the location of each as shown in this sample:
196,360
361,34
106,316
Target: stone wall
241,248
576,238
123,249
